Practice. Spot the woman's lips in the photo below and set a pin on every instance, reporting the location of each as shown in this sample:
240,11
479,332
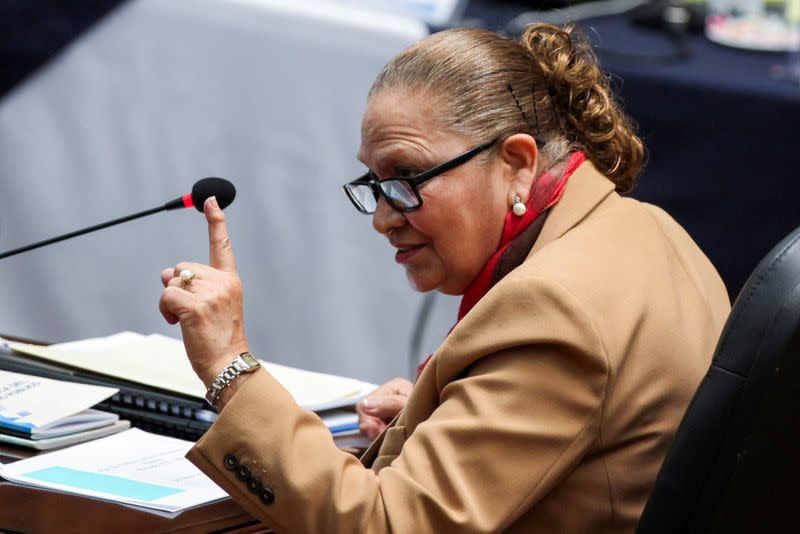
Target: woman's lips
405,253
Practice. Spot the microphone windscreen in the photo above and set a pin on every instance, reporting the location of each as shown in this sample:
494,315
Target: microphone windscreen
213,187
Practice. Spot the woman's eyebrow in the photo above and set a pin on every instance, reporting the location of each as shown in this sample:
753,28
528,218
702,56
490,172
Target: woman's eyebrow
400,159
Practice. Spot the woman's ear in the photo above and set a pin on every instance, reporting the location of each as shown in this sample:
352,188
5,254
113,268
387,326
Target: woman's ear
520,157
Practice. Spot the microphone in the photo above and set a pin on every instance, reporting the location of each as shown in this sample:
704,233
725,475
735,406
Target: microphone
220,188
202,190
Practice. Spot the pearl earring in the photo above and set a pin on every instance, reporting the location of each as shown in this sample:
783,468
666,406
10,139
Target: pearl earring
518,207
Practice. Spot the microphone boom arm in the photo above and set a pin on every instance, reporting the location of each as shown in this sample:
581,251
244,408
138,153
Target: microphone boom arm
222,189
76,233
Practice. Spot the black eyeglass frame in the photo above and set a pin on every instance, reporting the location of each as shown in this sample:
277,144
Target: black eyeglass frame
413,181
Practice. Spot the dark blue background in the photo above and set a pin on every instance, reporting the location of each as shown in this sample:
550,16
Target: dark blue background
721,134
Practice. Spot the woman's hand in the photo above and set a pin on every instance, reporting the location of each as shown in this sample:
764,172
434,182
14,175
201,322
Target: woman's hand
209,307
378,408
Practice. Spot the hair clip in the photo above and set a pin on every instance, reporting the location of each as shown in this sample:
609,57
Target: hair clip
524,115
538,136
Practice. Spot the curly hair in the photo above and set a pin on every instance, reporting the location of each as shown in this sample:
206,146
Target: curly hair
547,84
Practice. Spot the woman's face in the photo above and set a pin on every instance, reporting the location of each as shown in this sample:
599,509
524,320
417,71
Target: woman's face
445,243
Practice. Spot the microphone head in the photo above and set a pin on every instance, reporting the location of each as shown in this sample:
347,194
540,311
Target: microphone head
213,187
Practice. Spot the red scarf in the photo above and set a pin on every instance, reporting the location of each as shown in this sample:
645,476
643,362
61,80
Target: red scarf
545,193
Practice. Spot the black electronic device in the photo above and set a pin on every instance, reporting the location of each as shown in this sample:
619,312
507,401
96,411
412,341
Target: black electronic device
669,15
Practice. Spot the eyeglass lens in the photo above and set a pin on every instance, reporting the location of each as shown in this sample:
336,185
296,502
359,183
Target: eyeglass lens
362,196
399,192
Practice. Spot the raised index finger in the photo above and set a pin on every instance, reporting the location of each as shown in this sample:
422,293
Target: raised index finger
220,250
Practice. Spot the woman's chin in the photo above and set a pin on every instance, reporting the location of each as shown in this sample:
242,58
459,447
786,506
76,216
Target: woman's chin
420,281
417,285
425,282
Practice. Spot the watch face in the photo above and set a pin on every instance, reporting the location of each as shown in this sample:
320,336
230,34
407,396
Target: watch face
250,360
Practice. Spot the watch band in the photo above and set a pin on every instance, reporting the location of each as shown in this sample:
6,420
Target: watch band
244,363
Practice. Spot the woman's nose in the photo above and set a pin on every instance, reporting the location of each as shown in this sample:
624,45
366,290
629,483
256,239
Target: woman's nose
386,218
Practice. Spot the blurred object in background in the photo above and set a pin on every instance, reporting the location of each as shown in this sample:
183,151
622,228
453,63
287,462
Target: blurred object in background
433,12
751,24
790,70
690,15
561,12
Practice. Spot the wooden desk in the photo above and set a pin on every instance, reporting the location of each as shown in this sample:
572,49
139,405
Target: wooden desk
34,510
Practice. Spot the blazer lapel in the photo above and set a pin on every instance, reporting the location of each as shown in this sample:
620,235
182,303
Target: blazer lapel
372,451
585,190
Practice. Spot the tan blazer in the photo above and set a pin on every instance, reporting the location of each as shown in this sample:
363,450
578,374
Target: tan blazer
549,408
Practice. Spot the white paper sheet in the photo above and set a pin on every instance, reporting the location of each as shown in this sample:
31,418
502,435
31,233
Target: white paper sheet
132,356
133,468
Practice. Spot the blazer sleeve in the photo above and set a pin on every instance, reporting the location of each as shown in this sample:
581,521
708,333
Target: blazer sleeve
507,429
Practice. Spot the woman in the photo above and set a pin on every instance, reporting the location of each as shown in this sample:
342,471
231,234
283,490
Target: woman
587,320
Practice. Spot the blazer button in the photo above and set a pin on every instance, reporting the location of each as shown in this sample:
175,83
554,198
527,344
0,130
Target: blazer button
267,496
231,462
254,485
243,473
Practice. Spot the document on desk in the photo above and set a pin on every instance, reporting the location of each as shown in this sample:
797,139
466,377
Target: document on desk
130,356
135,468
35,407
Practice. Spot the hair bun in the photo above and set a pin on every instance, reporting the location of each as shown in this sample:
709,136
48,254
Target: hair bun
580,95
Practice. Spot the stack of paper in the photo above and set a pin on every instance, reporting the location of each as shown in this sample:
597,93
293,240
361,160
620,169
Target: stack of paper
135,468
43,414
161,362
343,424
340,421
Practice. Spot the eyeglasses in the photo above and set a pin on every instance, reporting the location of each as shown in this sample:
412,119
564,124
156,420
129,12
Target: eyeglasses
401,193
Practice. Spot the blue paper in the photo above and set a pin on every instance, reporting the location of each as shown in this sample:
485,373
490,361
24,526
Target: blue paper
121,487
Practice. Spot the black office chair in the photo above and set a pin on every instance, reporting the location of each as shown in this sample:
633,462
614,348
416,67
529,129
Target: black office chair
734,465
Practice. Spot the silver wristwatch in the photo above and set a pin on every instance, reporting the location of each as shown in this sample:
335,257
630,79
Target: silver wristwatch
244,363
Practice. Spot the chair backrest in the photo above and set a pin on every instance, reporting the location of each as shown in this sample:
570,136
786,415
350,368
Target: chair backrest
733,464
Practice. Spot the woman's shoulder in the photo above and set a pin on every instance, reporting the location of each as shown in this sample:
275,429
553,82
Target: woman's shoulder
526,317
622,247
627,270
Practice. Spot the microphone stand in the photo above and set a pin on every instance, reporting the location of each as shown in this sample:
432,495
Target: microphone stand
201,191
84,231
